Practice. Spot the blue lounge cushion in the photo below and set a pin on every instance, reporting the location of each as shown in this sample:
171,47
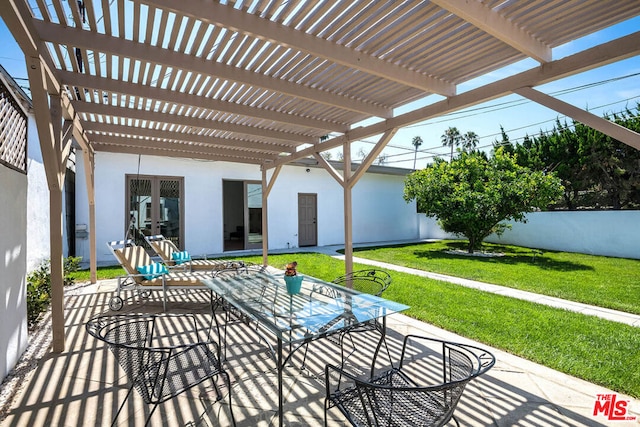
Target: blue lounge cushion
180,257
152,271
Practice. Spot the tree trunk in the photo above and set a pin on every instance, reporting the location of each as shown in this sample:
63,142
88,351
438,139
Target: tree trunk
472,245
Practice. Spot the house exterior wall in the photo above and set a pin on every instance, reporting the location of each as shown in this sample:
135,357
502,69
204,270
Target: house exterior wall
13,247
379,212
608,233
38,239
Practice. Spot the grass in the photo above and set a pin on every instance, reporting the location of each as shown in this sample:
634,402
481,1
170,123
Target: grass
596,350
602,281
110,272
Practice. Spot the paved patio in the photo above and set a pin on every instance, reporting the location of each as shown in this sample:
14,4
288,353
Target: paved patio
84,386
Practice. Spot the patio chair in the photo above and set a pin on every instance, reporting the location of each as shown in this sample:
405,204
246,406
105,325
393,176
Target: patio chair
143,275
423,390
233,270
370,281
160,365
173,257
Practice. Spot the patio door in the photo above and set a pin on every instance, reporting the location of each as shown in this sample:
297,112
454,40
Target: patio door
155,207
253,215
242,207
307,223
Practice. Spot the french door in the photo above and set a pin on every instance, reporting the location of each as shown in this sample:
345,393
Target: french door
155,206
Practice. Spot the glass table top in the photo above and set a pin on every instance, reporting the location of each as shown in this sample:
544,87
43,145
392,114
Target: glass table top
320,308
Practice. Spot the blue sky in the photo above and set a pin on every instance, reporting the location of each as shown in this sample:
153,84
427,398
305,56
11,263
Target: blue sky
603,90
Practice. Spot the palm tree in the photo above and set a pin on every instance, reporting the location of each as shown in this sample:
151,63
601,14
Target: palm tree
417,142
451,137
469,141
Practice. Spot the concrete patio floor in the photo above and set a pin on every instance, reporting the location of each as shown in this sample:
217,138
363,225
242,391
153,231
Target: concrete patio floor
83,386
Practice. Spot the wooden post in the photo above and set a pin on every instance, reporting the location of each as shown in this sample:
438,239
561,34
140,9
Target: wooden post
55,145
267,185
57,271
348,226
265,221
90,182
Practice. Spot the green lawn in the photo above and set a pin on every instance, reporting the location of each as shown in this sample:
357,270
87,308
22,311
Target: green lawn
596,350
599,351
603,281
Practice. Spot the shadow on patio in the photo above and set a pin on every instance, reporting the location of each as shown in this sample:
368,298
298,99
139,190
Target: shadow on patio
84,385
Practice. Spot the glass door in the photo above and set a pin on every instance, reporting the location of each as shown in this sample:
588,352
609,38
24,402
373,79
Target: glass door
253,215
155,207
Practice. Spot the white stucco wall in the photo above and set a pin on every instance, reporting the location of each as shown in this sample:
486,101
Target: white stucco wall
38,240
379,211
609,233
13,267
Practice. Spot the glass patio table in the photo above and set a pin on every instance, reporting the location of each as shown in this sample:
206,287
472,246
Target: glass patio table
319,309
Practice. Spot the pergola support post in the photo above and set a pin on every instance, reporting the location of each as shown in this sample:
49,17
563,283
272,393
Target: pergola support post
55,142
348,206
89,168
348,180
267,185
57,269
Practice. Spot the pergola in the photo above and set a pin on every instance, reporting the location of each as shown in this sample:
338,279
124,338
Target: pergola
267,82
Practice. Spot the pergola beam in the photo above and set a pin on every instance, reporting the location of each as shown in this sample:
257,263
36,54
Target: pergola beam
185,154
227,16
177,97
605,126
155,143
96,129
371,157
187,120
96,42
615,50
491,22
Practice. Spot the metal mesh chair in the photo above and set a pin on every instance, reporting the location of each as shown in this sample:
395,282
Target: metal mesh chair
160,365
233,269
370,281
423,390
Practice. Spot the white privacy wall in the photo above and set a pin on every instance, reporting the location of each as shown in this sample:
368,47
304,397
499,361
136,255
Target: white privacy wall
379,212
13,267
609,233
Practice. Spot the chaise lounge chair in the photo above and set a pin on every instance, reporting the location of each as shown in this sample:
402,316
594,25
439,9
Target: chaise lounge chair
144,275
174,257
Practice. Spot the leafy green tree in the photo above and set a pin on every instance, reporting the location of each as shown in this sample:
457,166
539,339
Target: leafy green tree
556,151
612,166
595,170
505,143
473,195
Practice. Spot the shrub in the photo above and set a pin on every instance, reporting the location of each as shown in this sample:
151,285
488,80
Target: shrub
39,286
